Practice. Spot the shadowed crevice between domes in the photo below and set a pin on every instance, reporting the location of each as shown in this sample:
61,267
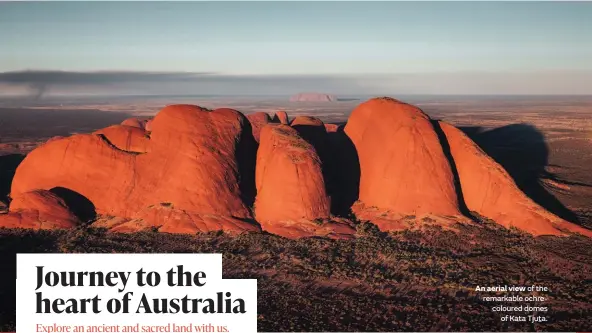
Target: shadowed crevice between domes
347,173
457,185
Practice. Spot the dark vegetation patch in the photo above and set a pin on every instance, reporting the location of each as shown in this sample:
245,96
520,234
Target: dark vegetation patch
420,281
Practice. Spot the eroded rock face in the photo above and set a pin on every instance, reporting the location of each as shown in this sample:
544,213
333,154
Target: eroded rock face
199,177
148,125
490,191
38,209
128,138
281,117
258,120
134,122
403,169
291,197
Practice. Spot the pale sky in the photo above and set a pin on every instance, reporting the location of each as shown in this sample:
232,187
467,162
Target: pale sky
467,47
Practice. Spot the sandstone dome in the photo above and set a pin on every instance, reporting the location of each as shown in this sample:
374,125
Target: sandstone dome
403,169
281,117
291,197
128,138
38,209
194,186
490,191
134,122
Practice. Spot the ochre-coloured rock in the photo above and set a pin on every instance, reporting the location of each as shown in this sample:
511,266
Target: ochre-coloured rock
403,169
128,138
258,120
166,218
191,164
331,128
281,117
313,131
291,197
148,125
86,164
490,191
307,120
134,122
38,209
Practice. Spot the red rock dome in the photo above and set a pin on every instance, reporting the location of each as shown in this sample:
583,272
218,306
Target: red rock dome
281,117
128,138
38,209
291,197
134,122
490,191
403,169
191,168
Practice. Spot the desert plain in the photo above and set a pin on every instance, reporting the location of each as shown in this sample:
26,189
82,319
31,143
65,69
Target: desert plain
414,279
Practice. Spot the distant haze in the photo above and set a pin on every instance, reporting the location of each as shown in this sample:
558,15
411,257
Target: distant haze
282,48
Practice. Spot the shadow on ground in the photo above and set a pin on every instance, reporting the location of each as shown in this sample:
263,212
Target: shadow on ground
522,150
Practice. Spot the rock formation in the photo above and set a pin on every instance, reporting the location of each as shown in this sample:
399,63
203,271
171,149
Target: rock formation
135,122
312,97
148,125
38,209
331,128
128,138
188,181
403,169
281,117
313,131
191,169
291,197
258,120
490,191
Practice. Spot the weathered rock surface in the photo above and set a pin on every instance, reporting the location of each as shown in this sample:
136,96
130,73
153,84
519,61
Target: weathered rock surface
135,122
281,117
291,197
148,125
490,191
198,177
128,138
38,209
258,120
403,169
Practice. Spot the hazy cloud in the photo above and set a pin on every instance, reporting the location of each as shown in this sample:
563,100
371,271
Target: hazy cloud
177,83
